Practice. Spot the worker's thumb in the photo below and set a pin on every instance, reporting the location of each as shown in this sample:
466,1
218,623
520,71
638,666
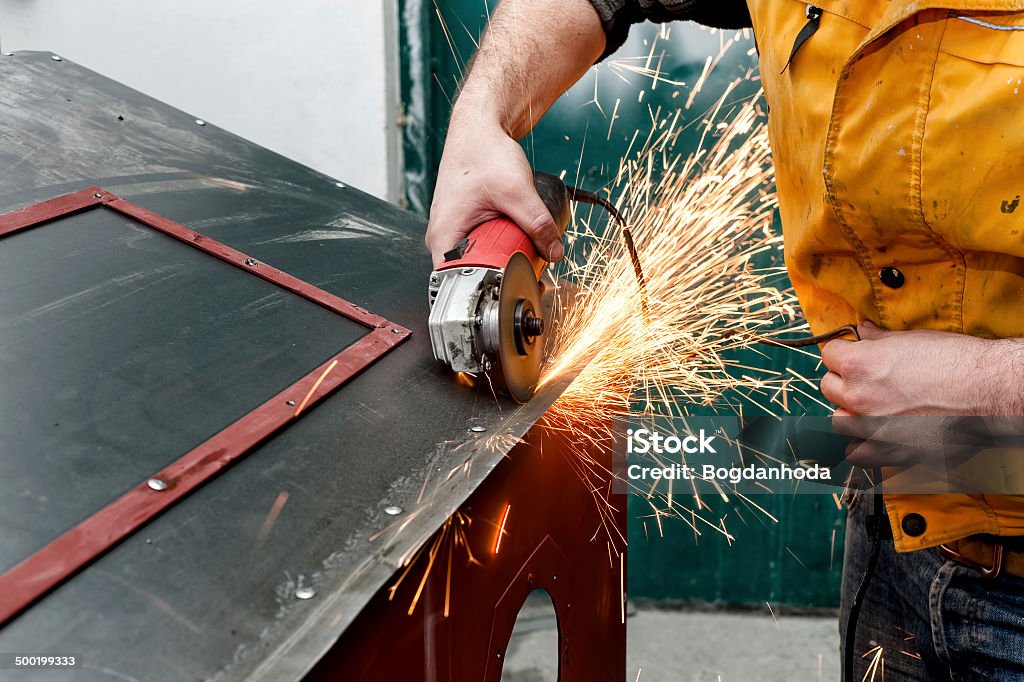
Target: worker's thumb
532,216
868,330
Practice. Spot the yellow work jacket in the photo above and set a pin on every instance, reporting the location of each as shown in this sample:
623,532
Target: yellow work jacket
897,131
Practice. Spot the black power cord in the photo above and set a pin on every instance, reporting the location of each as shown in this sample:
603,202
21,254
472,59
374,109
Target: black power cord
584,197
874,528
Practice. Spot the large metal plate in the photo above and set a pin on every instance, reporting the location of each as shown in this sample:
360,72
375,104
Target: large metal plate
206,591
48,280
120,352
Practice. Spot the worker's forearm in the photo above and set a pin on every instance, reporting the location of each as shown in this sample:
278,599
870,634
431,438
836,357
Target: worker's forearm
1000,371
530,54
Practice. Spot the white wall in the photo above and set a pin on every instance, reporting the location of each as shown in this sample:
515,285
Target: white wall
312,79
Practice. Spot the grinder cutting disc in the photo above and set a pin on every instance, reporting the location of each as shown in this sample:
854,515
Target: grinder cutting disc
520,328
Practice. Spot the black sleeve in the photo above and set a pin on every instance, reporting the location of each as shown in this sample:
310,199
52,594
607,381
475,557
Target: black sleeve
618,15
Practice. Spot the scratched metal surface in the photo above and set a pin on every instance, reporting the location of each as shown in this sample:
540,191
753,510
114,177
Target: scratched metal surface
206,591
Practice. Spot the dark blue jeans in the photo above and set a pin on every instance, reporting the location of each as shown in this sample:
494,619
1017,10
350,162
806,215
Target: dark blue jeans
933,618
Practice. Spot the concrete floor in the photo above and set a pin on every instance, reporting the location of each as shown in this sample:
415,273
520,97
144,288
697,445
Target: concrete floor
689,646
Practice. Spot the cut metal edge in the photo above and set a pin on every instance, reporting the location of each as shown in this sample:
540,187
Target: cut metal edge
311,632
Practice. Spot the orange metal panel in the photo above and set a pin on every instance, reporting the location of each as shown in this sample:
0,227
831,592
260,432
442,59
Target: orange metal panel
554,538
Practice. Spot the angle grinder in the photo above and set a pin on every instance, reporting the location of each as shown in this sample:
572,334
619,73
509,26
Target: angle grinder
485,299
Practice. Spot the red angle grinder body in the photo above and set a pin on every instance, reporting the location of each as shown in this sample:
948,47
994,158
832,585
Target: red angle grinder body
491,245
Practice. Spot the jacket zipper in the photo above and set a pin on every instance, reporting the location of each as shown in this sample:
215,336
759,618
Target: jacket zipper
810,28
979,22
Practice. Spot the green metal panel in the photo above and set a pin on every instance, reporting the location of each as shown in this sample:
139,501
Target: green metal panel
796,561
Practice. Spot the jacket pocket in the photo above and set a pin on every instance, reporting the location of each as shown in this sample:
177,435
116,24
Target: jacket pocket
973,146
985,38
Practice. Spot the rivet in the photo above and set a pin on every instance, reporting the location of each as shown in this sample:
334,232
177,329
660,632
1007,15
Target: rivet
290,402
251,262
97,196
200,122
157,484
395,331
305,593
55,58
392,510
499,654
477,428
340,184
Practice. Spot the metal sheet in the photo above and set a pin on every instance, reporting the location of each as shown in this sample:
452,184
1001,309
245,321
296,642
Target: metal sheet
106,241
206,591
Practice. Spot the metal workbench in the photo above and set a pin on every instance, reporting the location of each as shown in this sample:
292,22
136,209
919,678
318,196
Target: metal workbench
121,349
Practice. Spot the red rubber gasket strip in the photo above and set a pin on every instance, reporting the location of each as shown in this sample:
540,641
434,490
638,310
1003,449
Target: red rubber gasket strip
50,566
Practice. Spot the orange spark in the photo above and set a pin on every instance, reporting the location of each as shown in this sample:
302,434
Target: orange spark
501,528
622,586
271,519
316,385
877,664
464,379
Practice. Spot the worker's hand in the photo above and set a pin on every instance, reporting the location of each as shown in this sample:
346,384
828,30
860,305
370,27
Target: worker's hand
923,372
910,374
484,174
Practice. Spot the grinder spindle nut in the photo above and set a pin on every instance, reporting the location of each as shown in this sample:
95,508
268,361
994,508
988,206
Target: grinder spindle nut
527,326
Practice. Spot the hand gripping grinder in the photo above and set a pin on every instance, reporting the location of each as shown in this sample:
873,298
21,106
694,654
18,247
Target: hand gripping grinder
485,299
